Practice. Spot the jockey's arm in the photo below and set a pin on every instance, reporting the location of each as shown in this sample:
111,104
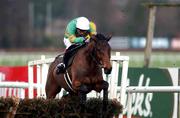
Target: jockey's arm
73,39
70,33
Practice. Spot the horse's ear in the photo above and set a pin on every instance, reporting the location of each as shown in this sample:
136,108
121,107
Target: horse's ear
108,37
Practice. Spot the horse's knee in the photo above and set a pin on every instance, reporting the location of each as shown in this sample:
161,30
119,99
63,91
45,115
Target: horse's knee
53,91
105,85
84,89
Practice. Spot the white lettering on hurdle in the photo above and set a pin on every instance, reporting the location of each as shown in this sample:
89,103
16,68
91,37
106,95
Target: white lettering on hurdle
139,98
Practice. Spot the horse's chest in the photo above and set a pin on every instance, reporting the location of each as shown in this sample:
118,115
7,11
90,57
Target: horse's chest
92,79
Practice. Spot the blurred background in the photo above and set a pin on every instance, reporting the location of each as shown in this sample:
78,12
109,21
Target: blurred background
30,28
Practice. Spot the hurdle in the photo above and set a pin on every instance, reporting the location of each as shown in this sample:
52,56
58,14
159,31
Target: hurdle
42,66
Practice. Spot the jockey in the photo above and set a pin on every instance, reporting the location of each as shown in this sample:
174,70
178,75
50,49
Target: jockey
78,30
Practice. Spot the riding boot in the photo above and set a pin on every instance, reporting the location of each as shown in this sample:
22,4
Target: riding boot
60,68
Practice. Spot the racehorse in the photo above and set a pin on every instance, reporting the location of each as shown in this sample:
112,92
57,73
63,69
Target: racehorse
85,72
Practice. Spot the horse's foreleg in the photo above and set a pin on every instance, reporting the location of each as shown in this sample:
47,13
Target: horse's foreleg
105,86
83,90
53,92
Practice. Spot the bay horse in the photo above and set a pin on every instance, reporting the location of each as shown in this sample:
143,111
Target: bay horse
85,72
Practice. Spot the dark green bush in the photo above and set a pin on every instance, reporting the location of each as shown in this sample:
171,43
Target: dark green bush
66,107
6,104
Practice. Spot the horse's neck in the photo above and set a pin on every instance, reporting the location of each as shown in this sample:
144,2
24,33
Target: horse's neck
84,63
86,56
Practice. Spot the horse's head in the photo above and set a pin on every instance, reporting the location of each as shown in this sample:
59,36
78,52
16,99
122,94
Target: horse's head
102,51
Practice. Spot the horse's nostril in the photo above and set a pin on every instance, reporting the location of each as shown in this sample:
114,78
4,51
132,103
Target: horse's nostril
107,70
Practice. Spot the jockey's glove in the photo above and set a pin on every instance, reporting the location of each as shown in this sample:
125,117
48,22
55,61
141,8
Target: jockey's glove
87,38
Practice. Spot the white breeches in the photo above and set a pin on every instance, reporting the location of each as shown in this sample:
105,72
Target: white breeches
67,42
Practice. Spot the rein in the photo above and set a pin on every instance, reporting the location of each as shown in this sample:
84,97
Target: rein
95,60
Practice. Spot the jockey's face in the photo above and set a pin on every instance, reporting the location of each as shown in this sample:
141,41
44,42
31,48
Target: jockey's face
82,33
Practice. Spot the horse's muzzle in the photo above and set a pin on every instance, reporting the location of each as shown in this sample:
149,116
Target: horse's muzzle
107,70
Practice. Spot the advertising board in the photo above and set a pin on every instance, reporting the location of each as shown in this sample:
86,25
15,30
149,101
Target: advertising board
153,105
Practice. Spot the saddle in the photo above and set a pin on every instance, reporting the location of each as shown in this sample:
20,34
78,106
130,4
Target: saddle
70,54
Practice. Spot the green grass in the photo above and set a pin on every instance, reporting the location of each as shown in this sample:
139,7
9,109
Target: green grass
22,58
158,59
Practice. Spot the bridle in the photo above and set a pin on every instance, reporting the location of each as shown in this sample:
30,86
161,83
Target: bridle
94,58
